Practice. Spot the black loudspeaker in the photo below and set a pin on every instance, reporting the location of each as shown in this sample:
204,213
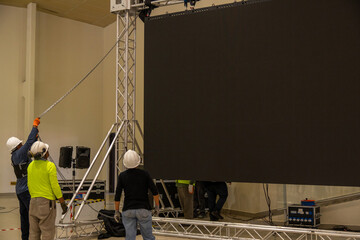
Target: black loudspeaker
65,157
82,157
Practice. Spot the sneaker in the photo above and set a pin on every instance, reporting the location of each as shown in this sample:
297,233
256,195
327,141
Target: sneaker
201,215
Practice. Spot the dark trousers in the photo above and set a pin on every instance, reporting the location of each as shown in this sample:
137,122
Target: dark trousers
24,201
199,197
213,189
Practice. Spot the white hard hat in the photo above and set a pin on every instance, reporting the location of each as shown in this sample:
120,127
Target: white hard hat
131,159
12,143
39,148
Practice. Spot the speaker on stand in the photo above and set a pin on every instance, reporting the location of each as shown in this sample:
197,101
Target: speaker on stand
65,161
81,161
82,157
65,157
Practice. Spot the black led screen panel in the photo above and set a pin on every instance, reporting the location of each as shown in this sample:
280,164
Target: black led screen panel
262,92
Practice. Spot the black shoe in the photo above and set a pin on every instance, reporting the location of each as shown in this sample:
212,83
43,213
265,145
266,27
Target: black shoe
201,215
217,214
213,217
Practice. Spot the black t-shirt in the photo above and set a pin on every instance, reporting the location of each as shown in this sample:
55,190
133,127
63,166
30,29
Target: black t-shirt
135,183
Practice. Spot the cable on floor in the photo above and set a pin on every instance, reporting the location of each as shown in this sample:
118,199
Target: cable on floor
9,210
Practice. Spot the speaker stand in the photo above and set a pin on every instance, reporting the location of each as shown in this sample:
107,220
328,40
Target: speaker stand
73,182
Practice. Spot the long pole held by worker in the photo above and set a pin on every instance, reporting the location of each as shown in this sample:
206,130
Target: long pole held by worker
77,84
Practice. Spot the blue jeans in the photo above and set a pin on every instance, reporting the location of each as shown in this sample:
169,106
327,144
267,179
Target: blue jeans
131,217
24,202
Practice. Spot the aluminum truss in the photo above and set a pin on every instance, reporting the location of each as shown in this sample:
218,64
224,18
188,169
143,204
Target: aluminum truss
79,230
125,82
127,12
118,6
226,230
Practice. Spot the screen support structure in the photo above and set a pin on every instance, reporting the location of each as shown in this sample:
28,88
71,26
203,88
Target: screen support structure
125,83
125,126
127,12
126,91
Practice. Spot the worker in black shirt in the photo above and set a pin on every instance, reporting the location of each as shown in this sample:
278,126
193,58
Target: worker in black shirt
135,183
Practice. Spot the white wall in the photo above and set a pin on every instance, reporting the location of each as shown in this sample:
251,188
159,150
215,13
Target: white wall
66,50
109,84
250,198
12,69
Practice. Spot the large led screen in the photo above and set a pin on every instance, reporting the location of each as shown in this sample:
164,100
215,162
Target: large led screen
265,91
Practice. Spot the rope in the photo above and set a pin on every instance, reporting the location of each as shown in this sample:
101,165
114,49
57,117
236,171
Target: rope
72,89
77,84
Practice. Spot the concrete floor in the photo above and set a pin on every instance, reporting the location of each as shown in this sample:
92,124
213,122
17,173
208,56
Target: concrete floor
10,219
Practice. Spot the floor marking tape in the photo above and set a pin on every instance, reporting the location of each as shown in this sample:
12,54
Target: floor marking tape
9,229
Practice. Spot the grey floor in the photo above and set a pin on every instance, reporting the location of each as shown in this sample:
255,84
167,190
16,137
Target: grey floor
10,219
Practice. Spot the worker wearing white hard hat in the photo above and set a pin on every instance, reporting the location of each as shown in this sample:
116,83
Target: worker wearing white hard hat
20,162
44,190
131,159
136,209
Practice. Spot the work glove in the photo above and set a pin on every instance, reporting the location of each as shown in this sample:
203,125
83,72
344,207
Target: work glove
64,207
36,122
117,216
157,211
191,188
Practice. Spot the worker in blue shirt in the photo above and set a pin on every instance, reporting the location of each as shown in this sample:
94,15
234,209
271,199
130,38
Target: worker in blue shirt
20,161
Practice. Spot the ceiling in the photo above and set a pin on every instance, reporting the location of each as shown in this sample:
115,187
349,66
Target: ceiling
95,12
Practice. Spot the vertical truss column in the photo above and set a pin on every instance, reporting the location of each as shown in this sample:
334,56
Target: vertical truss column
125,82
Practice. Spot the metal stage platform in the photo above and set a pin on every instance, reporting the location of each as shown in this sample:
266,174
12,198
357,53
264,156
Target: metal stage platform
226,230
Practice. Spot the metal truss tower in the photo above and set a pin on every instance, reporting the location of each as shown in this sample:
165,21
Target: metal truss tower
125,82
127,12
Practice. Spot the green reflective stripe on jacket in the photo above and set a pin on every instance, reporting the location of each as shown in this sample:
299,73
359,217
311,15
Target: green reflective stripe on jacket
184,182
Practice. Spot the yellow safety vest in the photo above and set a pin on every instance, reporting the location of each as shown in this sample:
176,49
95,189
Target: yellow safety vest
42,180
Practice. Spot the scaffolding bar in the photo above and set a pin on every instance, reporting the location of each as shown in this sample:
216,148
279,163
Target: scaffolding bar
87,172
98,172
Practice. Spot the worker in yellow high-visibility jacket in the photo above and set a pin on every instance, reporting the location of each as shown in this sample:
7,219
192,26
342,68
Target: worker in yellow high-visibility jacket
186,197
44,190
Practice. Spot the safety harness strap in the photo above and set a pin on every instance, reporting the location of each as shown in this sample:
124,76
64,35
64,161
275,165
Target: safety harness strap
20,169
